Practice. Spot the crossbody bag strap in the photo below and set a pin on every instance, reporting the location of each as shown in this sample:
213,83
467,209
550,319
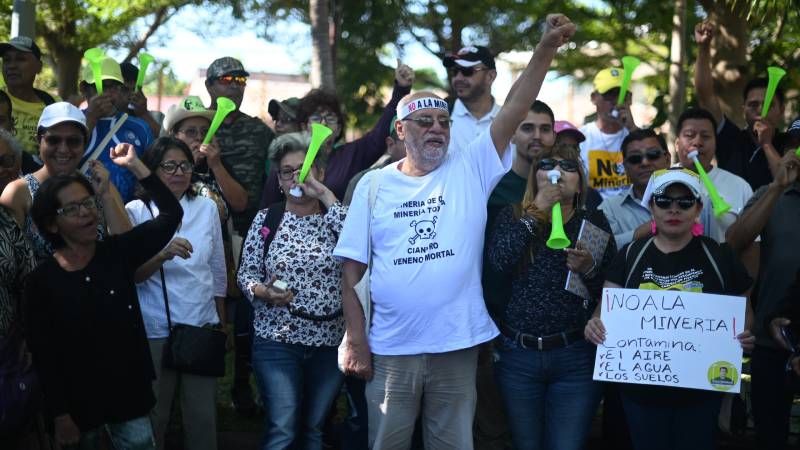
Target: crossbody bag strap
636,261
713,264
374,182
163,281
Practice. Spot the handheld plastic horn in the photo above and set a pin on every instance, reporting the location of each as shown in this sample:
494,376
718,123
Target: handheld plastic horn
95,57
319,133
144,60
224,107
629,64
717,202
797,152
558,239
775,75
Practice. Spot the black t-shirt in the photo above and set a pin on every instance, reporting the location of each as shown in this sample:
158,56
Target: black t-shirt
739,153
688,269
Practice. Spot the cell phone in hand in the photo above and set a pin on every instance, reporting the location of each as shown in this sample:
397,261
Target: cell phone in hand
789,337
280,286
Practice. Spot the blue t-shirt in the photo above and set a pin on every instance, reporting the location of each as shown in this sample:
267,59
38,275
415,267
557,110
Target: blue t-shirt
134,131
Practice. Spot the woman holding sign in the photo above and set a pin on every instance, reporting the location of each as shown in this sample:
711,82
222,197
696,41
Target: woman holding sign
676,257
545,368
294,282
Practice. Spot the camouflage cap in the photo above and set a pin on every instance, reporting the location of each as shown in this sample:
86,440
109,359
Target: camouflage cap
225,66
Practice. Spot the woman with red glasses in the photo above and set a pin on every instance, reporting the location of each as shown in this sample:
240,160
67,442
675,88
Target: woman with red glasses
675,257
62,138
544,370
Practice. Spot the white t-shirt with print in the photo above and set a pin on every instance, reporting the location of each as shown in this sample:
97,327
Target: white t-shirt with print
427,247
602,158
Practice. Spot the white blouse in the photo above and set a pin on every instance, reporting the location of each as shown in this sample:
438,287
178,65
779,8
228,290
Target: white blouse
192,284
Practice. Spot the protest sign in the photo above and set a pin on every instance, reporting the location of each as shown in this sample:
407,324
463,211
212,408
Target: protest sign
671,338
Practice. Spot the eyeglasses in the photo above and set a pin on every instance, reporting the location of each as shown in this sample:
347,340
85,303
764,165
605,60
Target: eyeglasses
466,71
73,209
330,119
428,121
193,132
652,154
71,141
287,173
171,167
566,164
8,161
228,79
665,202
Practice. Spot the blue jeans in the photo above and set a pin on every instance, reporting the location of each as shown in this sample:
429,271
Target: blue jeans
549,395
135,434
298,384
686,426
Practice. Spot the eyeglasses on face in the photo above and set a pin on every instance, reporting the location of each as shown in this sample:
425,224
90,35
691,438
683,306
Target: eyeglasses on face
566,164
428,121
55,141
228,79
287,173
171,167
193,133
73,209
328,119
652,154
466,71
665,202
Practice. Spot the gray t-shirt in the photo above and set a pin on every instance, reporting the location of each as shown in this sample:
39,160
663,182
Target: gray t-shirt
780,260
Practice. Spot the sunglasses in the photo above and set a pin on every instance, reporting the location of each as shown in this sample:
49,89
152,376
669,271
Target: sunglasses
566,164
466,71
171,167
55,141
652,154
8,161
73,209
228,79
193,132
665,202
428,121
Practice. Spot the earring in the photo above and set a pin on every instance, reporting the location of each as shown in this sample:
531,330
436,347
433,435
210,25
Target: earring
698,229
653,228
280,188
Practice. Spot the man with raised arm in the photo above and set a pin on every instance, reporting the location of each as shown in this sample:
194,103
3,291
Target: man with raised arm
426,231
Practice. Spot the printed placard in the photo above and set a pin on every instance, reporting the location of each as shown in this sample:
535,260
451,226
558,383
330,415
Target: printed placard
671,338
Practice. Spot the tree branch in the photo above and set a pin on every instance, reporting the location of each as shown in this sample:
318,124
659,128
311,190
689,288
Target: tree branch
161,16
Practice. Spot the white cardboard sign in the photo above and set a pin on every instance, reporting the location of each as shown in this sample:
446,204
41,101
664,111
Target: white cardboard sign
671,338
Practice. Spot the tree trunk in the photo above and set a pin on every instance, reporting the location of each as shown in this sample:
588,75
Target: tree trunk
729,56
68,69
322,71
677,72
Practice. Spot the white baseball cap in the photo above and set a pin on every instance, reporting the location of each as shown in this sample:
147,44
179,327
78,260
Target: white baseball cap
61,112
660,180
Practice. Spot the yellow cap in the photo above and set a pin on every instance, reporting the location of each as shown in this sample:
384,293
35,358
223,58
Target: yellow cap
607,79
109,70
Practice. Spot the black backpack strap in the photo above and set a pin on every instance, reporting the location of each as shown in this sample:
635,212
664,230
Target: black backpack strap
642,246
46,98
272,221
713,262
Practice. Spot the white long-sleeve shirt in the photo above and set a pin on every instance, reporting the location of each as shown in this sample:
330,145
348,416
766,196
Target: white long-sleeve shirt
191,283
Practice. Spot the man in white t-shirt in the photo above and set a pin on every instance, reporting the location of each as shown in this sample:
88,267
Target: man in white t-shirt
601,151
696,131
426,230
472,72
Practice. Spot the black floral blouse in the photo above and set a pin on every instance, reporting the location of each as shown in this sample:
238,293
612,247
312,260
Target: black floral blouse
16,261
301,254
